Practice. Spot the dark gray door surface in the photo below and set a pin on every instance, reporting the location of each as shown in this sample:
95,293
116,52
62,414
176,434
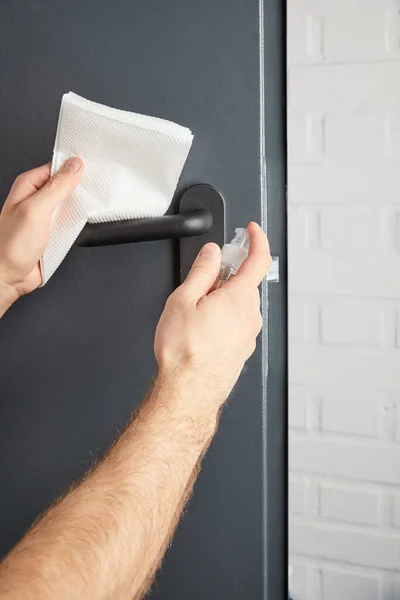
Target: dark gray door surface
77,355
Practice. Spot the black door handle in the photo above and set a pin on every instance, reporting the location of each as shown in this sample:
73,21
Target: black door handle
189,224
193,222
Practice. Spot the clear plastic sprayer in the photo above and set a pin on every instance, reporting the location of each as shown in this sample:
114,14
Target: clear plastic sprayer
233,255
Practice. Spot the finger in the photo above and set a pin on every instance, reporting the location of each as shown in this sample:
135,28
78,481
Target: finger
204,272
258,262
61,185
28,183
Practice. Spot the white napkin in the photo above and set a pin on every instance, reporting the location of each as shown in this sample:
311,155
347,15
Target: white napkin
132,166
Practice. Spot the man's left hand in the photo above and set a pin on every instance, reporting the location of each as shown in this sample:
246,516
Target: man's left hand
25,226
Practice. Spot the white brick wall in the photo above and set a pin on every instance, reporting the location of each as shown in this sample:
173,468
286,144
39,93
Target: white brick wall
344,298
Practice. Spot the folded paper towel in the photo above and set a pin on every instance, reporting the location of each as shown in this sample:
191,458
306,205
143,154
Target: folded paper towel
132,166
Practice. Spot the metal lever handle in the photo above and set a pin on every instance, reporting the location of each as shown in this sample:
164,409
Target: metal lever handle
192,223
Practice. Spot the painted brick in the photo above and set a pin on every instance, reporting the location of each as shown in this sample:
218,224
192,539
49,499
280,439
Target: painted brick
297,496
398,327
305,36
303,227
348,37
393,136
314,583
385,508
298,409
298,582
315,37
392,29
340,183
397,423
314,412
352,138
305,141
358,34
337,584
298,146
360,30
350,506
344,87
344,250
345,274
395,589
347,545
298,325
352,322
389,221
388,419
351,413
357,462
303,320
298,226
313,499
396,510
350,228
354,368
296,36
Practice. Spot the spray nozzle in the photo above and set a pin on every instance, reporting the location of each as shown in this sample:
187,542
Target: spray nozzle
241,239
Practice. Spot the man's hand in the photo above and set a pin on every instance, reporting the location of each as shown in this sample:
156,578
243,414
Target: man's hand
105,538
25,225
204,338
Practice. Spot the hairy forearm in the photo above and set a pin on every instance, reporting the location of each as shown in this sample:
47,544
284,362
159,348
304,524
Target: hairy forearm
105,538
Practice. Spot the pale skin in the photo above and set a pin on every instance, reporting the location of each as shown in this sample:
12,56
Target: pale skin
106,537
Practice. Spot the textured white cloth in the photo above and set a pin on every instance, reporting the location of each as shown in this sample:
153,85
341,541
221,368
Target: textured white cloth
132,166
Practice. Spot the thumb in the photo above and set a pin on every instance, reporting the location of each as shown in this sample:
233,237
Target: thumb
61,185
204,271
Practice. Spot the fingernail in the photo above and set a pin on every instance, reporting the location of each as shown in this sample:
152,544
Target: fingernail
210,252
73,165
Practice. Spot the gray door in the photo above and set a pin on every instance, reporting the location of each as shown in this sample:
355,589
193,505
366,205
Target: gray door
77,355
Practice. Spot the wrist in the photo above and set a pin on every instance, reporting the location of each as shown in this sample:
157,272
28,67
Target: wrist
8,294
180,395
209,382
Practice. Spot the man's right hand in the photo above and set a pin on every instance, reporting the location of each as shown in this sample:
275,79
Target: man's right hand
204,337
106,537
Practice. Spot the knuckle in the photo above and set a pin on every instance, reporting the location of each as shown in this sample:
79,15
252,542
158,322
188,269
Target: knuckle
56,182
21,178
179,298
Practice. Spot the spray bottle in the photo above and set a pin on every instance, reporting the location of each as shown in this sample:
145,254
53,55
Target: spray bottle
233,255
